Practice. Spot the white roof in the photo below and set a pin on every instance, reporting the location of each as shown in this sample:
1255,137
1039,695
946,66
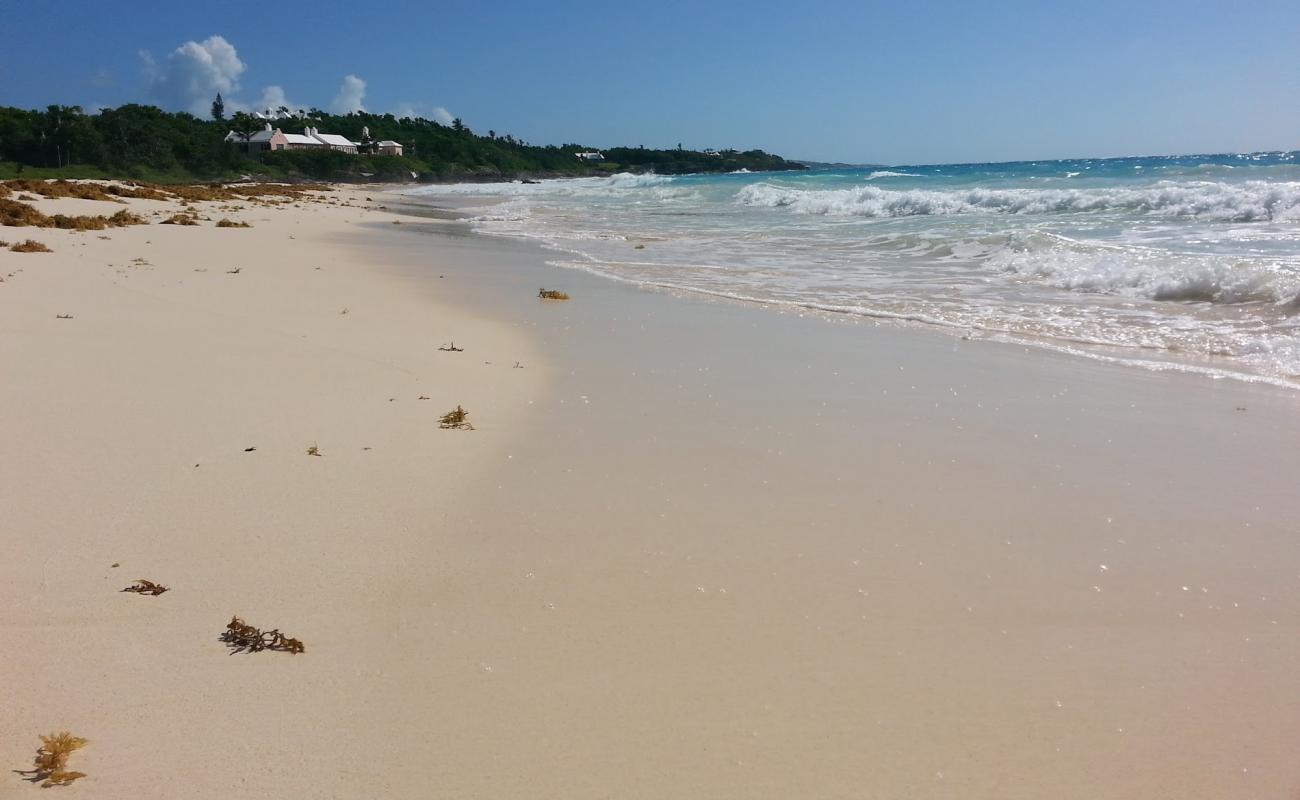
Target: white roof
390,143
335,140
259,136
298,138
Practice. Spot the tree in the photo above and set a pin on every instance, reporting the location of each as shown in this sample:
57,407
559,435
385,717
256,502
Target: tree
245,125
218,108
457,125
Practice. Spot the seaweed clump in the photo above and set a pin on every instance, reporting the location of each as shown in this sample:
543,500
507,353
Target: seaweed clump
51,763
181,219
551,294
30,246
230,223
456,419
241,637
20,215
142,586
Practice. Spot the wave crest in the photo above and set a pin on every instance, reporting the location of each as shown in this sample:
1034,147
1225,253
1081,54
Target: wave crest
1252,201
1137,272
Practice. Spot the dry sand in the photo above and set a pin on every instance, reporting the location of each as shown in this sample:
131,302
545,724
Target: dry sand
123,442
693,549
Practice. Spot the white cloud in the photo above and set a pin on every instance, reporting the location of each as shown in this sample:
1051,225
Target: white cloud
351,92
435,113
272,100
194,73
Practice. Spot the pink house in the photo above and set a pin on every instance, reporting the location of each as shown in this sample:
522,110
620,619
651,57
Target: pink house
265,139
259,141
276,139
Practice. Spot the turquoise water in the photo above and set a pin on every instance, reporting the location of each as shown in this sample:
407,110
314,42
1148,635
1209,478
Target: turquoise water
1188,262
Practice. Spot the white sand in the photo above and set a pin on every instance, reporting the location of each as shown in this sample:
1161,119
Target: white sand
122,441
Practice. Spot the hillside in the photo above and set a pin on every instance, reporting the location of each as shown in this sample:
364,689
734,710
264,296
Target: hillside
144,142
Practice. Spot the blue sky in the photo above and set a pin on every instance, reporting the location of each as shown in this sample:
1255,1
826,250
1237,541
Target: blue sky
897,82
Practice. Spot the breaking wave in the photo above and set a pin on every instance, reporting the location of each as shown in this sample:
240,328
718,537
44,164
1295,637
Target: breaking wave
1252,201
1144,273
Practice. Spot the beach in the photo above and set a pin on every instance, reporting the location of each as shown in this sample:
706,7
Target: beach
692,547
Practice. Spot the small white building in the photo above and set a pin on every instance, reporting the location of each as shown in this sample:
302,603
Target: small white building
388,148
594,155
333,141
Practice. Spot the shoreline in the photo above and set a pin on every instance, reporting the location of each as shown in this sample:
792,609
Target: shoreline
453,208
693,548
979,550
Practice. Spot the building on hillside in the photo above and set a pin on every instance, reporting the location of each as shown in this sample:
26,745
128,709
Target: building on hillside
594,155
301,141
265,139
309,139
333,141
388,148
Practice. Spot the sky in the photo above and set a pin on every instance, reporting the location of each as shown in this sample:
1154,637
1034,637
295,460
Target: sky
834,80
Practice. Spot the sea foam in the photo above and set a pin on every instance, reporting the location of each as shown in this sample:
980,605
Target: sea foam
1252,201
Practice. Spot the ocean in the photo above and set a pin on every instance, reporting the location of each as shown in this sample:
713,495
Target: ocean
1168,262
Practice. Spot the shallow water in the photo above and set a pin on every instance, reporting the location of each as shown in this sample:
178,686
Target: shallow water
1188,262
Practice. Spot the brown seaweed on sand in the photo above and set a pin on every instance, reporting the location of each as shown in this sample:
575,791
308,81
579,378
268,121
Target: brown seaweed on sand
50,766
241,637
142,586
30,246
551,294
456,419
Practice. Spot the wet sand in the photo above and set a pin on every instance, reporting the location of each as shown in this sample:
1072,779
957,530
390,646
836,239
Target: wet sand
738,553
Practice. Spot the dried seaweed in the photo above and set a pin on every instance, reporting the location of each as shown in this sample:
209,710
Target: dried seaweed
456,419
551,294
181,219
50,766
451,348
313,450
63,316
20,215
230,223
30,246
241,637
142,586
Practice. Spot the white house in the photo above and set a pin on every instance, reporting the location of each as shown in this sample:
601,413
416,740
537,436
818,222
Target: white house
310,139
333,141
594,155
388,148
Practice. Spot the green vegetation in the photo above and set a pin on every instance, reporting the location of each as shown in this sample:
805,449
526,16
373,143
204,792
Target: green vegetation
148,144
